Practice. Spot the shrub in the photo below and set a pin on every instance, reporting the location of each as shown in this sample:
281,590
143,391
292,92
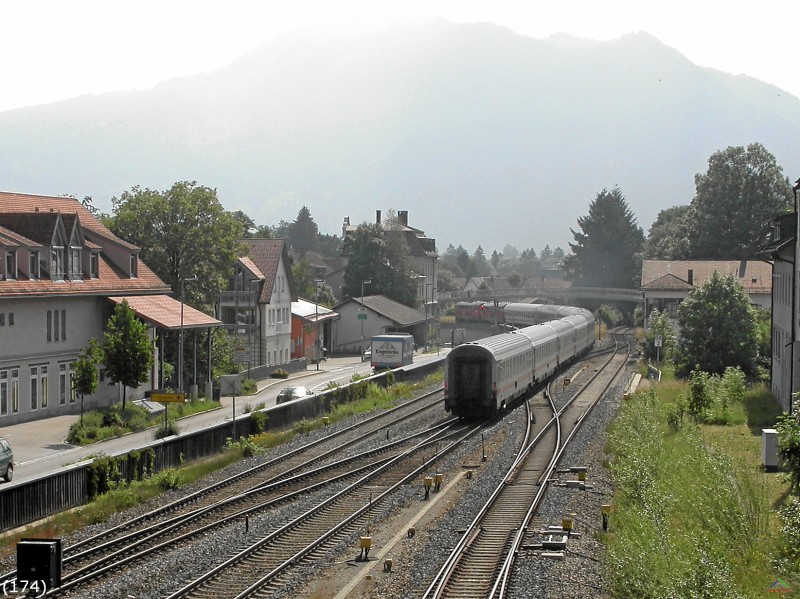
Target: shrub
280,373
168,479
166,430
249,387
258,421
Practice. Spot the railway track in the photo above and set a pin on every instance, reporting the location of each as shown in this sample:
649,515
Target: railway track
481,562
299,471
261,568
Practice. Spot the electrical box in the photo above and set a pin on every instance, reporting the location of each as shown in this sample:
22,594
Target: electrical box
769,449
39,561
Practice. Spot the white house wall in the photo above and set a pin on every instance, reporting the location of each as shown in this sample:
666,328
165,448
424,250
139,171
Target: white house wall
25,350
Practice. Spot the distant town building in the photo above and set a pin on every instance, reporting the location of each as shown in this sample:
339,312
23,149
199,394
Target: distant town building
423,256
666,283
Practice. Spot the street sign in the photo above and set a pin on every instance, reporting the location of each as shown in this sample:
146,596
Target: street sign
168,397
362,316
242,353
658,341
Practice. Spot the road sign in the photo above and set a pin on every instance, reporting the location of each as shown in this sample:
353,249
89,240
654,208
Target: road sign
242,353
362,316
658,341
168,397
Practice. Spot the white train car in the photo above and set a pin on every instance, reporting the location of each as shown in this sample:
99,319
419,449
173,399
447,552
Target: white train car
483,377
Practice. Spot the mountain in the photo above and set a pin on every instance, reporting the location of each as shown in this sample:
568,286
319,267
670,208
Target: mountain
485,136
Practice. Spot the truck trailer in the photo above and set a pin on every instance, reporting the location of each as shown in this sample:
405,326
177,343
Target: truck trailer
392,351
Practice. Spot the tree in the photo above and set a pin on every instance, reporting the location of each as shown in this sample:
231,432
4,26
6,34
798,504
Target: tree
384,259
303,233
718,328
668,237
183,232
127,349
660,326
84,371
742,190
480,265
495,259
605,251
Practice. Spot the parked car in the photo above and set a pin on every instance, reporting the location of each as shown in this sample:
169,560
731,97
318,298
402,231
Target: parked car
6,460
367,355
291,393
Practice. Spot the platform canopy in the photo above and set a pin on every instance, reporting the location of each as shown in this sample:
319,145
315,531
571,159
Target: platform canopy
164,312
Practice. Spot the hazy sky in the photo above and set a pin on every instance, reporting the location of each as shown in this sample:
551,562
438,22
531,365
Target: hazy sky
51,50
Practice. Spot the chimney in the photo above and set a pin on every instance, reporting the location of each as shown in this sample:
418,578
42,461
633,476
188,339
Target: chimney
690,278
402,216
377,217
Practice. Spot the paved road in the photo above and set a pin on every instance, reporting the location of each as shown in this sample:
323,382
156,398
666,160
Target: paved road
40,447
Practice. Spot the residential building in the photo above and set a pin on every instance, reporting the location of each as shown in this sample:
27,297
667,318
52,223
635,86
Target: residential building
257,306
61,274
361,318
666,283
781,252
423,257
311,329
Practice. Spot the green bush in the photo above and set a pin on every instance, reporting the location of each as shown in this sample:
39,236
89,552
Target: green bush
280,373
258,421
166,430
168,479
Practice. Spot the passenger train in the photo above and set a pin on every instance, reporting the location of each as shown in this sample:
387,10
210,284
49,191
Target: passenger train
485,376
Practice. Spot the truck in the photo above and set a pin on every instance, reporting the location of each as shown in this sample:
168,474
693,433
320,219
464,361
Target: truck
392,351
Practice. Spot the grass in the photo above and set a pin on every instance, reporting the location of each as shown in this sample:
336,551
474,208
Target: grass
110,422
129,495
694,513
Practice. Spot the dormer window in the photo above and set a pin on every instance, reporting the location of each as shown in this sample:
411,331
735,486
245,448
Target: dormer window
134,266
33,266
57,263
75,270
94,265
11,264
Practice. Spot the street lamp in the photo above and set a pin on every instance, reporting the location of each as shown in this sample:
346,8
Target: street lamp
363,282
316,316
180,338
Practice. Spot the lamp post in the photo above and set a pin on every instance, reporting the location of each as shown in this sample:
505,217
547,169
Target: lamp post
180,338
316,316
363,282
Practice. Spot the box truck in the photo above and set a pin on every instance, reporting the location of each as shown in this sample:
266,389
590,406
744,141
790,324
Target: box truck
392,351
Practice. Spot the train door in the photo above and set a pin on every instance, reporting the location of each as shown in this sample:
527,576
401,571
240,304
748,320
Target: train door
470,378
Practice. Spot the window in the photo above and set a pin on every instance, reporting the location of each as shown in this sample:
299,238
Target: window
134,266
75,267
63,383
34,387
57,263
3,392
94,265
33,266
2,319
43,385
56,325
11,264
15,390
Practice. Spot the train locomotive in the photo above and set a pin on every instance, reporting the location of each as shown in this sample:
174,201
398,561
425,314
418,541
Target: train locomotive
485,376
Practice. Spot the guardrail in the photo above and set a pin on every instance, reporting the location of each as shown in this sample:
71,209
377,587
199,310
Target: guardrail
70,487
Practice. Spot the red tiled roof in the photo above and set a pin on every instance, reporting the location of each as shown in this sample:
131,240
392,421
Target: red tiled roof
20,210
754,275
165,312
266,255
25,202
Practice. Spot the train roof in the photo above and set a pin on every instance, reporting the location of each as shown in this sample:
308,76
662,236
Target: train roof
497,345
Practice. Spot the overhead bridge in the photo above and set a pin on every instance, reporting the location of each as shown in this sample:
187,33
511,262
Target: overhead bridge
544,293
